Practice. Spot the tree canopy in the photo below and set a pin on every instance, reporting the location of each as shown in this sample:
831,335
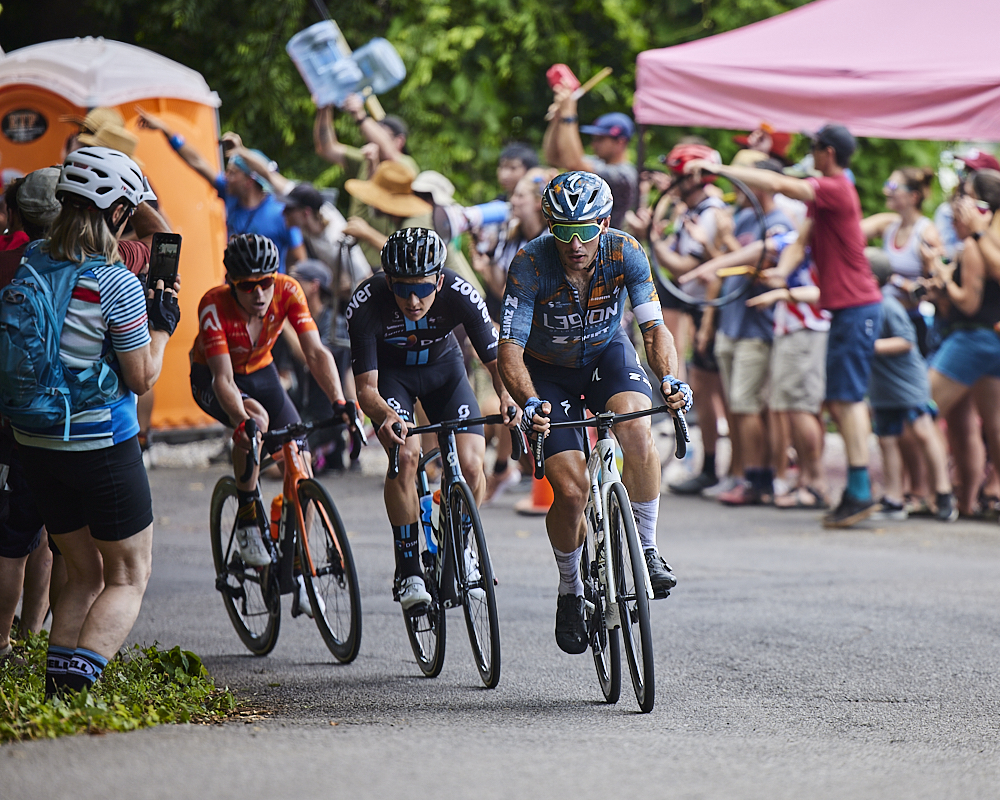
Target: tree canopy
475,69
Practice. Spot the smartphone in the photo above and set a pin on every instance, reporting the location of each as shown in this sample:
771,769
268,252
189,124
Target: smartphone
164,256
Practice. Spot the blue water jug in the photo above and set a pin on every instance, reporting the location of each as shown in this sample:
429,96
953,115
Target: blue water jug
331,72
427,522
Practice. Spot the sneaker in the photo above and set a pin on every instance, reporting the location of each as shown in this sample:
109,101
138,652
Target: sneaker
661,577
300,600
412,592
472,574
571,626
850,511
885,509
741,495
251,546
694,485
727,484
496,484
947,511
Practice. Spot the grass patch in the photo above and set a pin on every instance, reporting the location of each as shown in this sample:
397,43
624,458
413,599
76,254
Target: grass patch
142,687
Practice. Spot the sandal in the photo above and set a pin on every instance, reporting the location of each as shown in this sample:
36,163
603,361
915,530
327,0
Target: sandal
815,502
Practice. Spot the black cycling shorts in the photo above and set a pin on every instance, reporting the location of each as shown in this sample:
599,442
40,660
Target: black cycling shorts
441,387
264,386
617,369
104,489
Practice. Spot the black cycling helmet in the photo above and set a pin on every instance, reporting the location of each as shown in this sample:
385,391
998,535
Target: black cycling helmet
413,253
250,254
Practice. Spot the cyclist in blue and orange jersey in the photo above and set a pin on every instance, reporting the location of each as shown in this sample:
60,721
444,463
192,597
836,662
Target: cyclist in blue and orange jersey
233,377
561,340
403,350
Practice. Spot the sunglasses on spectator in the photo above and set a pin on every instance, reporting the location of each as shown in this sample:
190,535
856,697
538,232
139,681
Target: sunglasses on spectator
249,285
982,205
421,290
891,186
585,232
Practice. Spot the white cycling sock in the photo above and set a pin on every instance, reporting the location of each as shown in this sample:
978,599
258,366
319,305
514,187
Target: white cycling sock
645,522
569,571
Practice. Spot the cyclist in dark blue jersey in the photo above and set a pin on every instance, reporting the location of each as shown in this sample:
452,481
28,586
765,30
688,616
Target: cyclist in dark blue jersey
562,341
403,349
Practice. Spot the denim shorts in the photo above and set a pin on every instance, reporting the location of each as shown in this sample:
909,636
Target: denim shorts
891,421
850,349
967,355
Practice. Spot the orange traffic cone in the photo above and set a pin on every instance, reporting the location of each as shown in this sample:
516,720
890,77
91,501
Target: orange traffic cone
539,502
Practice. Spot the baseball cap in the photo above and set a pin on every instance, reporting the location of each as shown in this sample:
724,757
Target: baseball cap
837,137
36,197
310,269
976,160
614,124
779,142
305,195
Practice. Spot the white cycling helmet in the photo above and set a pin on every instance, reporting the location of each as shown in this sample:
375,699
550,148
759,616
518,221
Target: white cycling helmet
103,176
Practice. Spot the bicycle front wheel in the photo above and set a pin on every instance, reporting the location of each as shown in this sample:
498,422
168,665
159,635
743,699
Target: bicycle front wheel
332,583
604,643
475,574
633,604
250,594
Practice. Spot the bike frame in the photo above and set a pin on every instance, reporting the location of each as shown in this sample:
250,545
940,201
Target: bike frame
603,472
294,472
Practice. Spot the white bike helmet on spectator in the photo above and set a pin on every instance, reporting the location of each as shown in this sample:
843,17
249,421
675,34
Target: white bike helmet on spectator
576,197
104,177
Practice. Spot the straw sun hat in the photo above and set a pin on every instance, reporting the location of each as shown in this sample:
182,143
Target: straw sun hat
390,190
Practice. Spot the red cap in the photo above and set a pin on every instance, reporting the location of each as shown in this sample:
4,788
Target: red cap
976,160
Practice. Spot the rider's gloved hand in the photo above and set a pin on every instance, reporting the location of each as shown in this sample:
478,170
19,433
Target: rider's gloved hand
531,407
670,386
243,434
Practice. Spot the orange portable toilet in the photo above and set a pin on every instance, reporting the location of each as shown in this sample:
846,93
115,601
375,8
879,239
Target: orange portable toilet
45,82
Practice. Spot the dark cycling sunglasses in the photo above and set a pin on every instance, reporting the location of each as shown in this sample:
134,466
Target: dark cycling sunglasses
585,232
421,290
249,285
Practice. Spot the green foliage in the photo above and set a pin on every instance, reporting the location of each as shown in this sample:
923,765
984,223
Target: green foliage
145,687
475,70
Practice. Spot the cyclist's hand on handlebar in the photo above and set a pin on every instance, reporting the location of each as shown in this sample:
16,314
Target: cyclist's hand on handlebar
387,436
677,393
240,438
507,404
536,416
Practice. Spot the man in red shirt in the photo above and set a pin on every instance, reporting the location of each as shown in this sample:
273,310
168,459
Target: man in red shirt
848,290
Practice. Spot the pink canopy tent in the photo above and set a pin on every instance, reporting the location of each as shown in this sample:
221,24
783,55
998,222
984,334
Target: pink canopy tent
898,69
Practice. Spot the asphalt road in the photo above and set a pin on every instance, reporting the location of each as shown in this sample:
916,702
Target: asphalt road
791,662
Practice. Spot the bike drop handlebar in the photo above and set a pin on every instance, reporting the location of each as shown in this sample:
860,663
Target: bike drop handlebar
299,429
456,424
680,431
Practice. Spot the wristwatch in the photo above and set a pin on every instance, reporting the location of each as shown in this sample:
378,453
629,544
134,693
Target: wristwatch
568,120
975,235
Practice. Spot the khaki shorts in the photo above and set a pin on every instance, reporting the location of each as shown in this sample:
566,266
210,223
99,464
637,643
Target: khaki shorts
798,371
743,366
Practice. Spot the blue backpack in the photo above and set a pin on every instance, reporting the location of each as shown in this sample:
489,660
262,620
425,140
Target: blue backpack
37,391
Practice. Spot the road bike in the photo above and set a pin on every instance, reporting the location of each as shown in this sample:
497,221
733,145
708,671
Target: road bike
308,542
455,559
616,583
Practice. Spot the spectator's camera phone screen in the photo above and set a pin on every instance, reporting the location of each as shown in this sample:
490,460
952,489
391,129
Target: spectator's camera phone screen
164,256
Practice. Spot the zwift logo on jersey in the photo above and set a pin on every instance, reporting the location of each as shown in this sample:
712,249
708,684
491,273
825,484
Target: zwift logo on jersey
509,307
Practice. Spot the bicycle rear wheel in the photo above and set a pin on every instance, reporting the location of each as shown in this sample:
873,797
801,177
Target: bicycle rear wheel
604,643
633,604
250,594
333,587
475,578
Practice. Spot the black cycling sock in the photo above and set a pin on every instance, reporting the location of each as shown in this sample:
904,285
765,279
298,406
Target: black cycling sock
84,669
56,663
247,505
708,465
407,547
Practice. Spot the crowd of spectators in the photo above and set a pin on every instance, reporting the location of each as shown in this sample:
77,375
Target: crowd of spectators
901,338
